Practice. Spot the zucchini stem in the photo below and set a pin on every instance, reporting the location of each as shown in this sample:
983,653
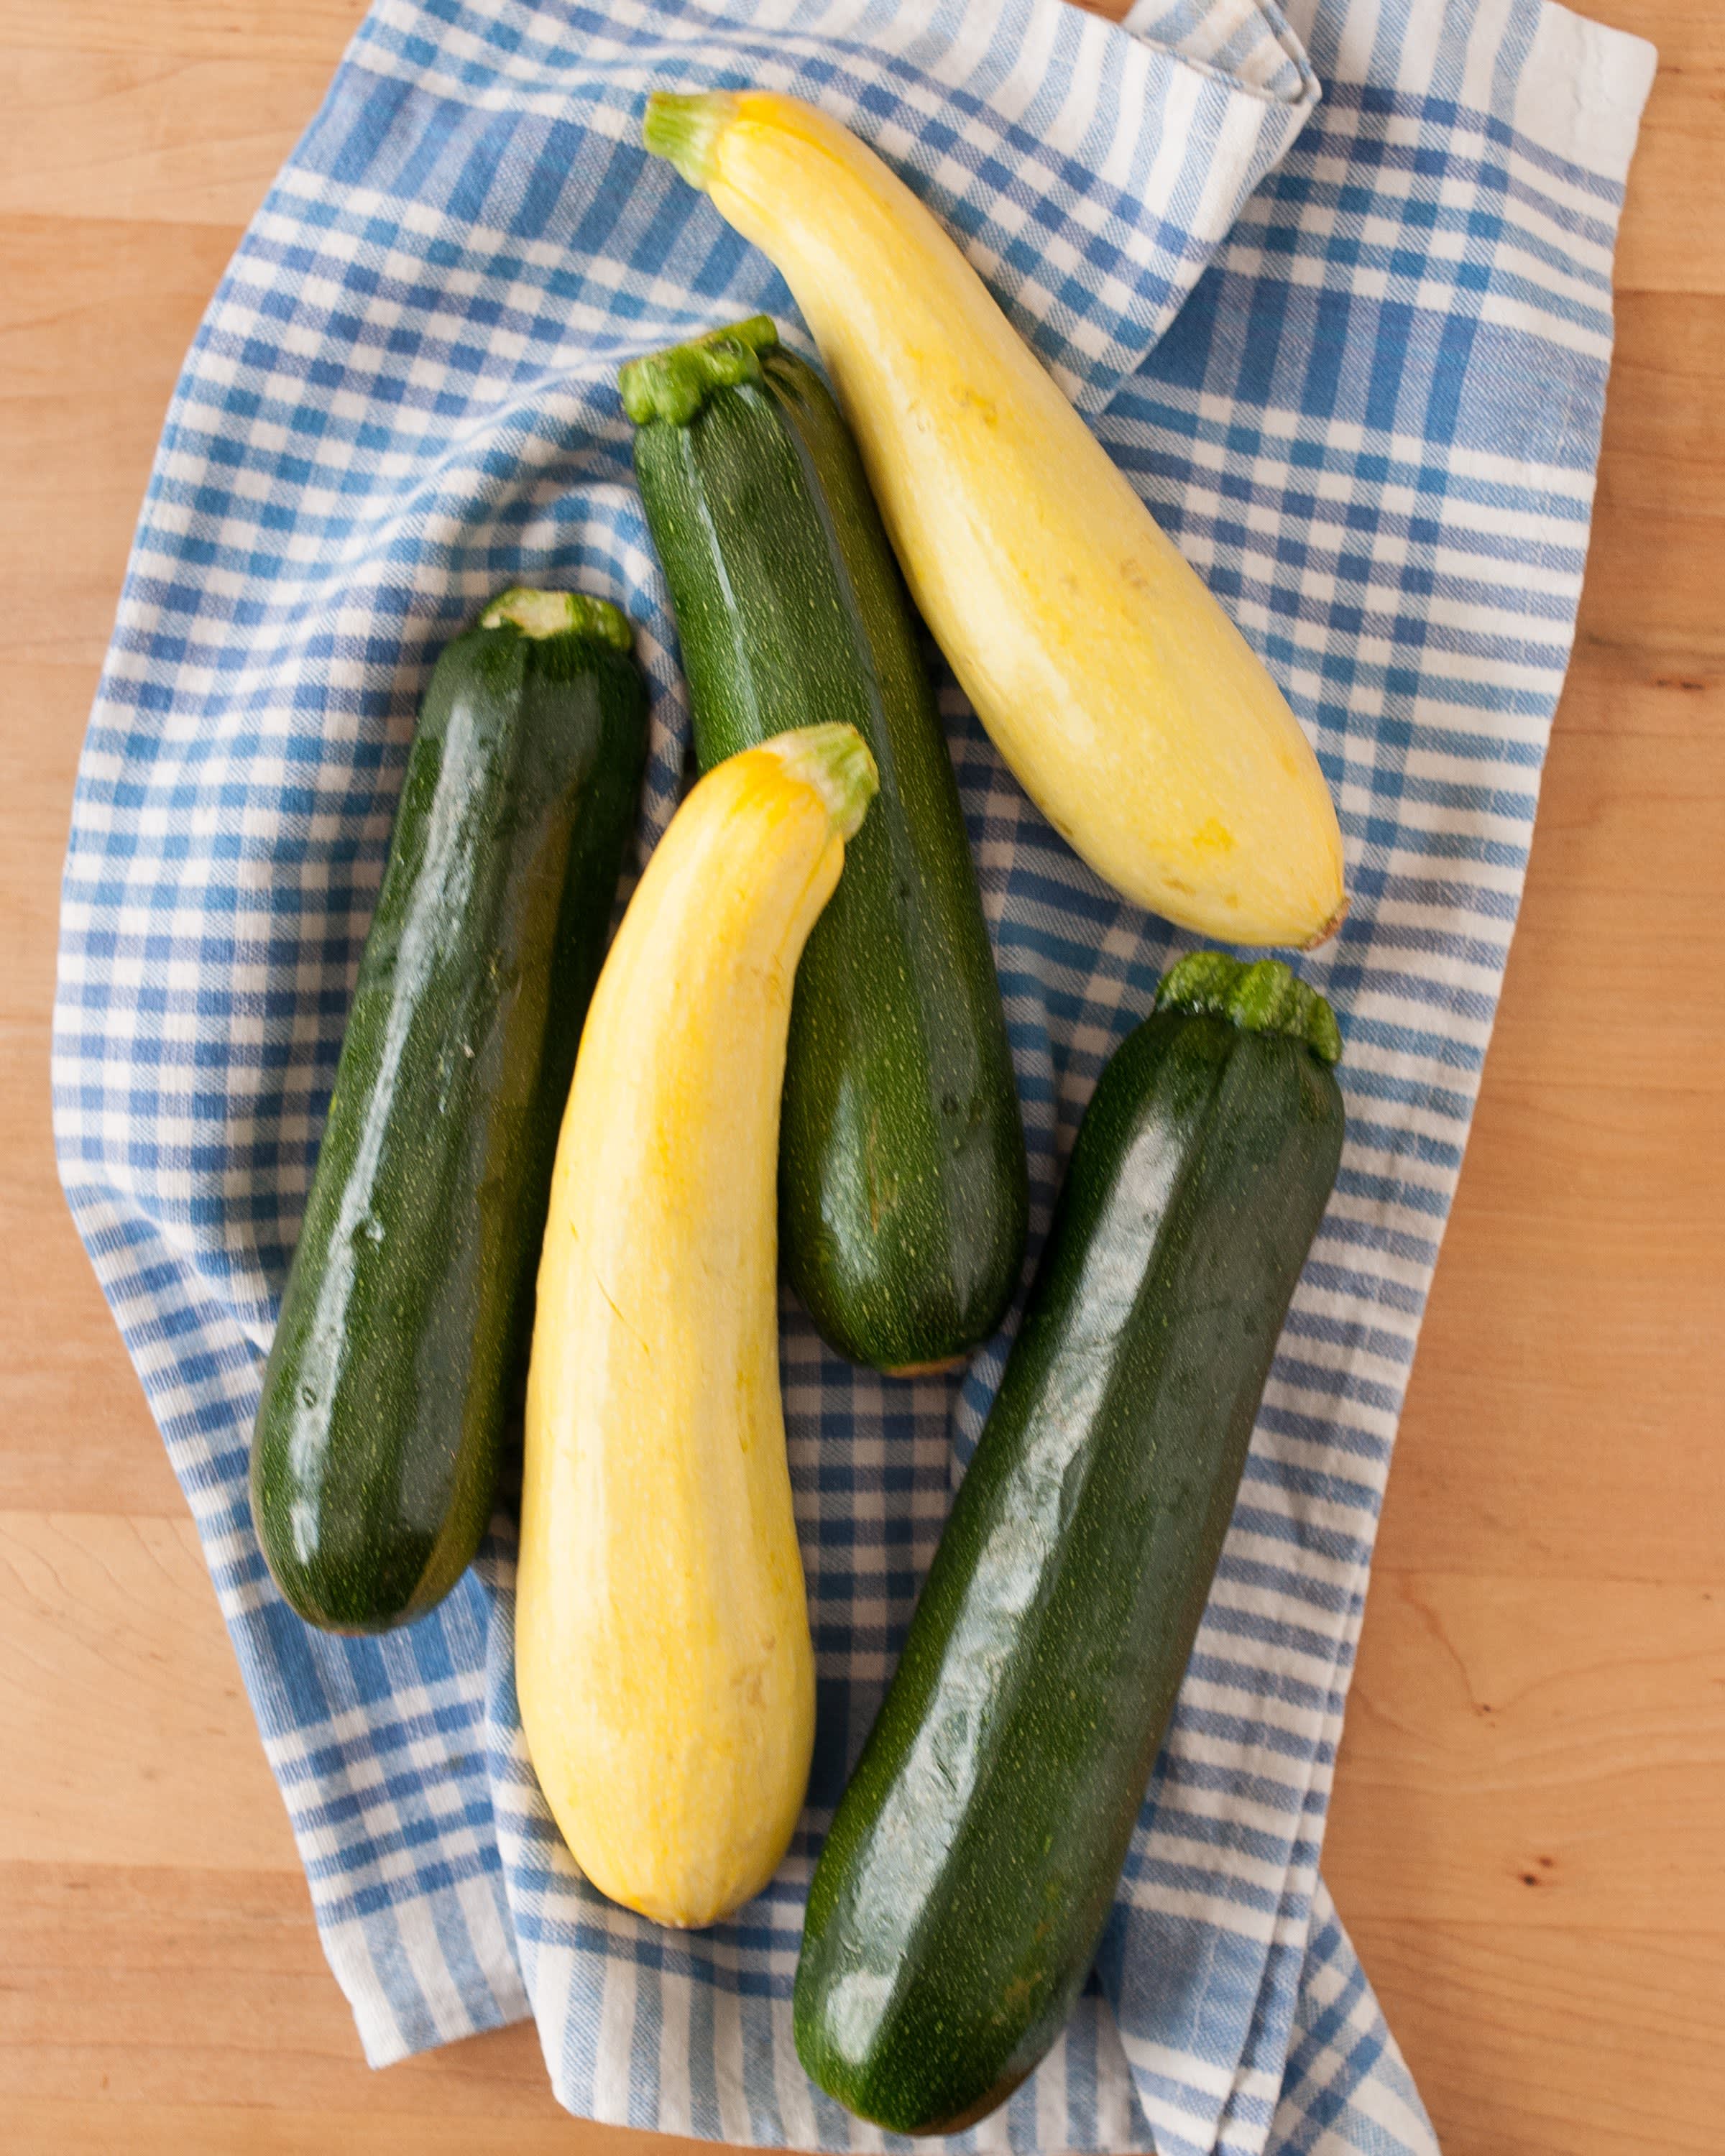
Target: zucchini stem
1265,997
542,615
674,384
833,758
686,129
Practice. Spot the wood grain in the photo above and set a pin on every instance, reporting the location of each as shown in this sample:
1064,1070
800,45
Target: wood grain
77,429
1673,238
1624,2030
128,1690
1509,1740
1530,1803
310,30
166,138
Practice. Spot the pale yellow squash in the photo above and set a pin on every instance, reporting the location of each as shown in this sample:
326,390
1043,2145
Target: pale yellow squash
1132,710
662,1648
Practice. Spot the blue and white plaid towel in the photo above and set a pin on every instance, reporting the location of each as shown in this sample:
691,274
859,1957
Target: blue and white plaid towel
1372,424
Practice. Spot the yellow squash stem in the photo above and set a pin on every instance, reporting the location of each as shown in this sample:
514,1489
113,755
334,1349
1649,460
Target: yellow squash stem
1132,711
662,1649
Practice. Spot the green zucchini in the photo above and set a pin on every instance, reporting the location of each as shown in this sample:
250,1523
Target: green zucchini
375,1453
958,1900
902,1183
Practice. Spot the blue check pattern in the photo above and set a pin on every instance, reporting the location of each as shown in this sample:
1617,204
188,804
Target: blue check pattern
1352,350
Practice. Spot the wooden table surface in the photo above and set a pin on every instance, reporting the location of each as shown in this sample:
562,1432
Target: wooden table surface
1528,1836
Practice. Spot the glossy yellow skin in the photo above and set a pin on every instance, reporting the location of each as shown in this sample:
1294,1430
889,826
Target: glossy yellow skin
663,1658
1132,710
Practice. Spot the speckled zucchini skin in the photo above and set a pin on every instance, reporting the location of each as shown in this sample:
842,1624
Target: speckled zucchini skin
961,1894
902,1168
375,1454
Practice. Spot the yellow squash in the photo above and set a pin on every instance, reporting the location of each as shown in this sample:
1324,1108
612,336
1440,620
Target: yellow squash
662,1650
1132,710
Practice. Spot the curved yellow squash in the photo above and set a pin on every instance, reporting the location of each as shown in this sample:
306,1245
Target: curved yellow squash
1132,710
662,1650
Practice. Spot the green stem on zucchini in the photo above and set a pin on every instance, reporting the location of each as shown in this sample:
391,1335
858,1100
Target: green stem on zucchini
542,615
674,384
1263,998
834,758
685,129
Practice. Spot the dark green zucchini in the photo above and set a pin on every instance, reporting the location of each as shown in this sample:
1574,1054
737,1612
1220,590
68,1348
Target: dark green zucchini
375,1454
901,1160
959,1898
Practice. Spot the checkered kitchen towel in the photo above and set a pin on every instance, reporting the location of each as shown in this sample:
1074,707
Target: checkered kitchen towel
1372,422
